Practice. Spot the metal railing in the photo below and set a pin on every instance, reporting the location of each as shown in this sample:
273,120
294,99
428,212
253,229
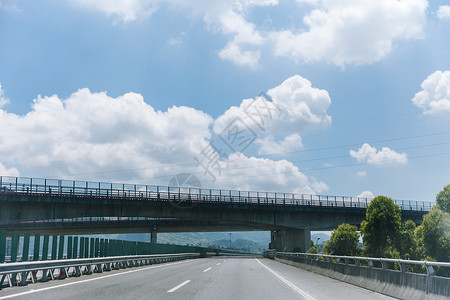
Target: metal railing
400,265
75,188
24,272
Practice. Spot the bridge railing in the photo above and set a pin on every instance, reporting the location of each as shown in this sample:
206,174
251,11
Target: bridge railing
76,188
398,278
400,265
24,272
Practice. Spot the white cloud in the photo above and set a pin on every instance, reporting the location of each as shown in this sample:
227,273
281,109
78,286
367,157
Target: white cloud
88,132
176,40
8,172
123,10
234,53
366,194
92,136
9,5
296,107
443,12
291,142
352,31
385,156
361,173
266,173
3,100
226,17
435,95
340,32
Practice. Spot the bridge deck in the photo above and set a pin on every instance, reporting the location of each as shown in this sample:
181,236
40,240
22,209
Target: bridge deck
182,196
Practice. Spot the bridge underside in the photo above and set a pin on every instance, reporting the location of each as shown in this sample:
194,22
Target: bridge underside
290,226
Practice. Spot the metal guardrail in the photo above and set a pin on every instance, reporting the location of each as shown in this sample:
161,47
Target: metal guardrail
74,188
22,273
356,261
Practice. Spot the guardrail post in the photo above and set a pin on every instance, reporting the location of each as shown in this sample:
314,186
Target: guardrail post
14,246
54,246
430,270
37,244
403,267
45,247
2,245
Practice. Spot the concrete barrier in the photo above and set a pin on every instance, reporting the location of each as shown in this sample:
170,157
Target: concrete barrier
402,285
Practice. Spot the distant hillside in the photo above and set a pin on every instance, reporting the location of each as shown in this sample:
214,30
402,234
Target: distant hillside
252,241
322,236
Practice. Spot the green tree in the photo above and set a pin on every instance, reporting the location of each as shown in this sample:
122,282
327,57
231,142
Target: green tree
434,235
381,229
313,250
443,199
343,241
407,244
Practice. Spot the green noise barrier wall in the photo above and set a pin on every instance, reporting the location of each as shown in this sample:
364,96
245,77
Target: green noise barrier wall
16,248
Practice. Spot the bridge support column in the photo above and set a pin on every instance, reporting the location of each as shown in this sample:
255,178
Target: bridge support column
290,240
153,236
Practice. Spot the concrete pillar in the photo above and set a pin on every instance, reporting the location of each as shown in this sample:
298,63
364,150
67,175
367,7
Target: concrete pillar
153,237
277,240
298,240
290,240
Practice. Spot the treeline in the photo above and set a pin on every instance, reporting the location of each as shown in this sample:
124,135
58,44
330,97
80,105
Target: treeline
384,235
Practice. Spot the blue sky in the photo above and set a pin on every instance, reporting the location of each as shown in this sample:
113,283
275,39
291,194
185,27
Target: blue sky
136,91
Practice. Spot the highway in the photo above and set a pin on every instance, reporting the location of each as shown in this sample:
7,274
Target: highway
209,278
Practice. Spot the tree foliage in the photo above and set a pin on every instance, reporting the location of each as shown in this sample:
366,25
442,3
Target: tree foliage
443,199
407,244
434,235
313,250
381,229
343,241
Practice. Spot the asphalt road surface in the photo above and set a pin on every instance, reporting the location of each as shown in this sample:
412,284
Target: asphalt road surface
209,278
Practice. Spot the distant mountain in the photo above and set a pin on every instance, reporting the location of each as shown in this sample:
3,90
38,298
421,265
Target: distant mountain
253,241
320,237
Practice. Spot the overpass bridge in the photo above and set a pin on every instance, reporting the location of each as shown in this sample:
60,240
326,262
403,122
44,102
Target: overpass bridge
290,217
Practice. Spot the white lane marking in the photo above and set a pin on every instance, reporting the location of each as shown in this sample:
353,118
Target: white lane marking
218,264
206,270
91,279
178,286
287,282
225,260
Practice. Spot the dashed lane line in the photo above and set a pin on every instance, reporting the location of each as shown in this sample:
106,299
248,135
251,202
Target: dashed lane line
206,270
90,279
178,286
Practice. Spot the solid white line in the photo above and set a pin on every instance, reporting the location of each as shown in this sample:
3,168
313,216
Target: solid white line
218,264
178,286
91,279
288,283
206,270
